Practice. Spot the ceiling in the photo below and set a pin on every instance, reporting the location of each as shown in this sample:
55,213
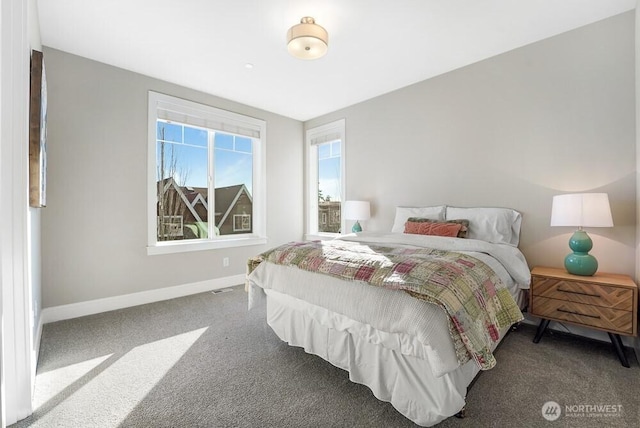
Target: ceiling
375,46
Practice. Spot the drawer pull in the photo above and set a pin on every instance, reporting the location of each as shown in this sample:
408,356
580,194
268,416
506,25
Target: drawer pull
579,292
577,313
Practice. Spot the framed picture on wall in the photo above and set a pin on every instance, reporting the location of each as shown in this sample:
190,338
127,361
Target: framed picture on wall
38,132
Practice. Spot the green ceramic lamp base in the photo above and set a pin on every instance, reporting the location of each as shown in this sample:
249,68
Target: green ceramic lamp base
356,227
580,262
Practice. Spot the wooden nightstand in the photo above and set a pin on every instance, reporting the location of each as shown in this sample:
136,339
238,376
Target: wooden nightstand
605,301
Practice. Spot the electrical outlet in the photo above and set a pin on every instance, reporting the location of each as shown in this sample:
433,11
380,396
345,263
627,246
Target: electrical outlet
225,262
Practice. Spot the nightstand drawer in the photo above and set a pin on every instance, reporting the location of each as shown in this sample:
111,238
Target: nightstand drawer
584,292
609,319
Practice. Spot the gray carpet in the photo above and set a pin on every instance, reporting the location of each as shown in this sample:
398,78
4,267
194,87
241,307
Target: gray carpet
205,361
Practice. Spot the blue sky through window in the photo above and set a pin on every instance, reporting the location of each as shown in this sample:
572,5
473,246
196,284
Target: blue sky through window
329,170
233,156
233,161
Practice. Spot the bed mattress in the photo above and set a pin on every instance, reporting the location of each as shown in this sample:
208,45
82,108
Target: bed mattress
398,346
390,318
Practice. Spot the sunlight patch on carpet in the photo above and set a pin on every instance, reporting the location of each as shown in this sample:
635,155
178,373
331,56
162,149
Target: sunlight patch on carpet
51,383
108,398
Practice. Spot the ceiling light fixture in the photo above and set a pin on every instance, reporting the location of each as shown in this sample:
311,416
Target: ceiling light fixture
307,40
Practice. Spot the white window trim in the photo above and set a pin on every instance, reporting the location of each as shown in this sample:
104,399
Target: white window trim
18,311
336,128
235,120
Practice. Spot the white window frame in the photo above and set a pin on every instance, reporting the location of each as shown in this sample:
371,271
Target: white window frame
324,133
196,114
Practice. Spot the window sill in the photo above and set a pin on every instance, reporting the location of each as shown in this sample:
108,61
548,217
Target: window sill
183,247
321,236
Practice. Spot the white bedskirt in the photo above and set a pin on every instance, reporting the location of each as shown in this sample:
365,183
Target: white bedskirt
405,381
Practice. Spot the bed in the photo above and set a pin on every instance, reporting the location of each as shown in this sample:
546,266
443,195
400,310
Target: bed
394,309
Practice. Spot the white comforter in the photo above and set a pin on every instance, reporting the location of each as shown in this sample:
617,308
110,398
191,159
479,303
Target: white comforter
389,318
508,256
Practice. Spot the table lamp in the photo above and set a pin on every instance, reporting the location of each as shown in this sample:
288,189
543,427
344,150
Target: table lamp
357,210
581,210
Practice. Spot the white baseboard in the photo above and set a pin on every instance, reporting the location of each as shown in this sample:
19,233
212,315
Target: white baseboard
36,345
75,310
35,354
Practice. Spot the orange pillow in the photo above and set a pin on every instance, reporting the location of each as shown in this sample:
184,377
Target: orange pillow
435,228
461,234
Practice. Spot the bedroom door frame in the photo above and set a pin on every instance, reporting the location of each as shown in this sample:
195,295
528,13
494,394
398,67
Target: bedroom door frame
16,358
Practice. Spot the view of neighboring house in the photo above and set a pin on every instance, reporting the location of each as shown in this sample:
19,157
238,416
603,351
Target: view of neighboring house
183,211
233,209
329,216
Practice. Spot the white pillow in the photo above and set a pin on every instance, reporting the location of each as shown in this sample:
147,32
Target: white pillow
403,213
497,225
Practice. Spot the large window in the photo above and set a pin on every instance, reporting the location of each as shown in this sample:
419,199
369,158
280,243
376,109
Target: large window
206,177
325,177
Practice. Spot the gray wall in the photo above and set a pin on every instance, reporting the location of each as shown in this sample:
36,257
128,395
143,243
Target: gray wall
94,229
553,117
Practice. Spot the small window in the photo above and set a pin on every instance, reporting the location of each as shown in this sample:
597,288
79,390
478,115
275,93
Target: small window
323,217
170,227
325,174
206,177
242,222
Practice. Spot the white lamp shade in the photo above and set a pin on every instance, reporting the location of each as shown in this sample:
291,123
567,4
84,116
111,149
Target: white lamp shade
582,210
356,210
307,40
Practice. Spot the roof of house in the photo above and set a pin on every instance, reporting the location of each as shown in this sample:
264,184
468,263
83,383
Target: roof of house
170,182
225,197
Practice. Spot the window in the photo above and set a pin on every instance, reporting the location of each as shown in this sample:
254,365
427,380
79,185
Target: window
206,177
325,178
170,227
242,222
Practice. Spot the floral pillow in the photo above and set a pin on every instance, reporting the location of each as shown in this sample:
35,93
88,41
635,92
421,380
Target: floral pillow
462,233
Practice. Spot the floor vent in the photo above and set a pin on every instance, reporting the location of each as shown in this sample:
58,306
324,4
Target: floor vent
223,290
